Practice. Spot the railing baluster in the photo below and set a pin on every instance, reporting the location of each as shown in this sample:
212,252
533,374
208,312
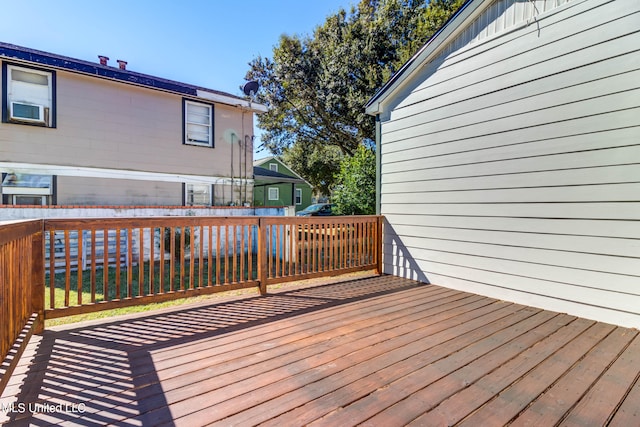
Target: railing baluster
228,252
249,252
182,249
234,238
201,257
307,249
67,274
105,265
210,256
242,255
118,264
192,257
292,264
282,237
330,247
152,260
218,235
314,246
172,258
162,231
80,266
129,262
325,248
52,269
278,265
93,265
141,262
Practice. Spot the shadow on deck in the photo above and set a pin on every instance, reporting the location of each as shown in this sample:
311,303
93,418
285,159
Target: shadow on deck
108,369
378,350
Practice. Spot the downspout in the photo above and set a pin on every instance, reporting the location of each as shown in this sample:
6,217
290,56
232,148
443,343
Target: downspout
232,177
378,164
246,148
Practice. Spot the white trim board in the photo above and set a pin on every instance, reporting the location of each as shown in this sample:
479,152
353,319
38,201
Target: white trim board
40,169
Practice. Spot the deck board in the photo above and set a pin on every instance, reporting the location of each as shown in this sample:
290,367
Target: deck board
379,351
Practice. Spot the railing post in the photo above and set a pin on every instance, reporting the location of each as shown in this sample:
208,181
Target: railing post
379,244
262,255
37,277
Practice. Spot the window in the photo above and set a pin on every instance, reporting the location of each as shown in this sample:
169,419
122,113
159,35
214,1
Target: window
298,196
198,124
273,167
29,96
27,189
274,193
197,195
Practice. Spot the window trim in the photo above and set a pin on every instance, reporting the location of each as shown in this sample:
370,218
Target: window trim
52,123
298,196
277,190
185,193
211,144
49,195
44,200
272,168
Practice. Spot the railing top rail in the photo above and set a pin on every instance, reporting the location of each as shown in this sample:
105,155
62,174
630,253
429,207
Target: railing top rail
12,230
338,219
181,221
167,221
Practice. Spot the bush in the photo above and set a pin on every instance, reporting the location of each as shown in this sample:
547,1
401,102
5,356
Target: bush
355,193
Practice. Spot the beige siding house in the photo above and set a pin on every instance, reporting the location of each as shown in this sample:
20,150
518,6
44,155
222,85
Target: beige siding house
510,157
80,133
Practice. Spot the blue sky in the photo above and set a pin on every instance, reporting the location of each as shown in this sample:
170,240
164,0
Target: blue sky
202,42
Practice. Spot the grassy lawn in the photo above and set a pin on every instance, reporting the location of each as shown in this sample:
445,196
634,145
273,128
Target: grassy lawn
93,289
107,314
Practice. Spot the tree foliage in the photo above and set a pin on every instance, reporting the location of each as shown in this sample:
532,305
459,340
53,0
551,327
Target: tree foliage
316,86
355,192
318,164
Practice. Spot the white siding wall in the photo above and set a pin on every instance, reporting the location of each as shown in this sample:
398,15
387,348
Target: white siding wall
112,125
512,168
86,191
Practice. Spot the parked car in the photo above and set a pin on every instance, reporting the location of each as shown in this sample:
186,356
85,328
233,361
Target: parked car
319,209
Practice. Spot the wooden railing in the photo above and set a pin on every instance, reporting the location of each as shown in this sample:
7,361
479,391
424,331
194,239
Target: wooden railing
300,248
146,259
59,267
21,290
98,264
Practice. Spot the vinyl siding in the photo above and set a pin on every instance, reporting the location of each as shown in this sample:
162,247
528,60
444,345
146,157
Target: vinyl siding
85,191
510,163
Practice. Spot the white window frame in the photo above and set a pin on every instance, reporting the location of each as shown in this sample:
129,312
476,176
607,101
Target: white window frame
273,167
15,192
17,93
44,200
189,134
276,194
298,196
189,192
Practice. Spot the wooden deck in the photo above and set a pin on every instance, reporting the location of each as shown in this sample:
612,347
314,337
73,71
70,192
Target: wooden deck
376,351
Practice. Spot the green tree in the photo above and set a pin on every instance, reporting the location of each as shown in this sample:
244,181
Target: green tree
317,163
355,192
421,26
316,86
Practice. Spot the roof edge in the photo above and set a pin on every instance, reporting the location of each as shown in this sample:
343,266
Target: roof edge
262,161
373,106
17,53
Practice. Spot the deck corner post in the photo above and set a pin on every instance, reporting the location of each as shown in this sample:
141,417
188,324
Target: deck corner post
37,277
262,255
379,244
